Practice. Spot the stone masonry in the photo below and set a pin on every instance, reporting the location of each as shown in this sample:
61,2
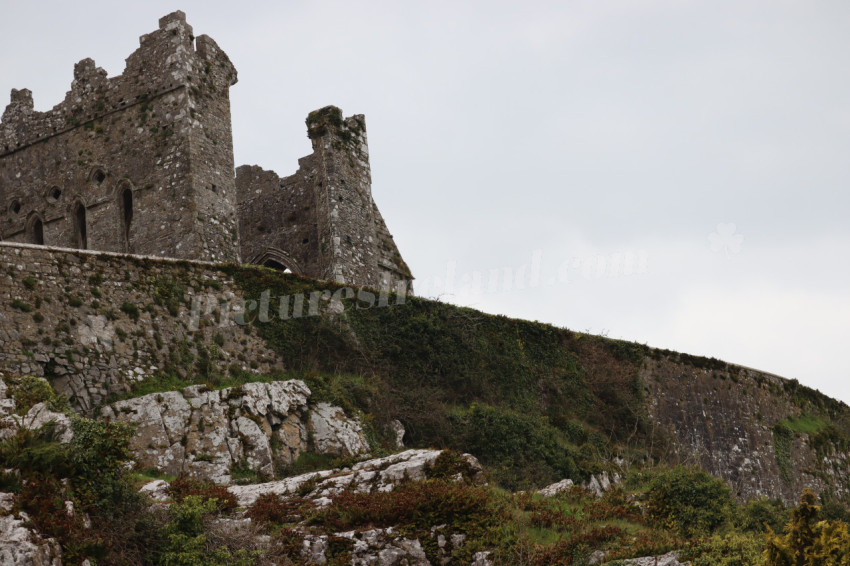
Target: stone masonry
321,221
142,163
94,324
139,163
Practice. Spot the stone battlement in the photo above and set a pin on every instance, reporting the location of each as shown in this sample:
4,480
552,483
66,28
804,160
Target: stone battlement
167,59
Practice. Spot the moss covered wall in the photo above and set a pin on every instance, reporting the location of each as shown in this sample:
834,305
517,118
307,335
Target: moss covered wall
96,323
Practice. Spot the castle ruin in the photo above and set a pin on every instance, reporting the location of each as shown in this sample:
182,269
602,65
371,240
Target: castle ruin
142,163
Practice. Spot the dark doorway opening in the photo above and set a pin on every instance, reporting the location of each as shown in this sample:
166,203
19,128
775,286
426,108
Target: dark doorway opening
276,265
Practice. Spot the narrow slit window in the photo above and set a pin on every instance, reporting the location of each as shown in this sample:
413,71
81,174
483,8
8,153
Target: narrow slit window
127,215
80,226
37,232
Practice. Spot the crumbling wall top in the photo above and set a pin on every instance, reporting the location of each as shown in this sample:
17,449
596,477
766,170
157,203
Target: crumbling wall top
165,60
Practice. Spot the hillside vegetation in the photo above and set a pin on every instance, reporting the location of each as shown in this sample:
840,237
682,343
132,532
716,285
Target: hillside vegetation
534,403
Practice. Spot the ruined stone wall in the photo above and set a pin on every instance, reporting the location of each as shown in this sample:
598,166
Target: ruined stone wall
278,217
724,421
94,323
141,162
324,215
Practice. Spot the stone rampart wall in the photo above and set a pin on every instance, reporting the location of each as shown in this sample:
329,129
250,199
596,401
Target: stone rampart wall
94,323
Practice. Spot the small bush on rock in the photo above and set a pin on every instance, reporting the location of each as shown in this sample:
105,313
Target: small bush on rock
28,391
184,486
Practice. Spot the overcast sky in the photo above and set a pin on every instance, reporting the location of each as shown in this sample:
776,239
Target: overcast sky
674,173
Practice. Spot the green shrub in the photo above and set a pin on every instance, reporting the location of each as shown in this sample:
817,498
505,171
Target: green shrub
831,510
184,486
520,450
187,543
28,391
729,550
98,452
88,472
760,515
688,500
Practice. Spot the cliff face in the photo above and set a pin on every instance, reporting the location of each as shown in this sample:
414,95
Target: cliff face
534,403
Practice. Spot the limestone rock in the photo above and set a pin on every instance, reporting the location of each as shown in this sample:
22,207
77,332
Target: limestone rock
38,416
7,404
378,547
669,559
205,433
599,484
397,430
19,546
335,434
157,490
381,474
161,421
481,559
556,488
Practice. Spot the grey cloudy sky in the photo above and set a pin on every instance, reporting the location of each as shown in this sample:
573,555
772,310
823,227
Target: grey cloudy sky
670,172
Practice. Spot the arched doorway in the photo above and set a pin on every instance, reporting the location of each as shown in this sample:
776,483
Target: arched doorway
276,258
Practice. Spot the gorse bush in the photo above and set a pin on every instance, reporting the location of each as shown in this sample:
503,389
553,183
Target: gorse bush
729,550
807,539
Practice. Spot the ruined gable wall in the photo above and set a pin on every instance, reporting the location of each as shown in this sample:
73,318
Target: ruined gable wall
353,244
154,130
278,218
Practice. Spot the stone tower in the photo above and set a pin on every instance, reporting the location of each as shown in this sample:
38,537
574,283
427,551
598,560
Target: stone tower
139,163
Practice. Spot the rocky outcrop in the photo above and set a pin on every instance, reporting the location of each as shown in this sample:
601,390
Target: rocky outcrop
376,546
556,488
382,547
380,474
257,426
599,484
669,559
19,545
